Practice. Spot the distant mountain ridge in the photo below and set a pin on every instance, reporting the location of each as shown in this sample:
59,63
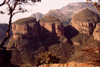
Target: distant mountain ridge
66,12
73,8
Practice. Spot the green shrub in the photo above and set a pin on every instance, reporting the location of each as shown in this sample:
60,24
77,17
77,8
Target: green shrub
46,58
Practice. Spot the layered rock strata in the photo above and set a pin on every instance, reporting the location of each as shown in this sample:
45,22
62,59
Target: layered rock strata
25,28
52,25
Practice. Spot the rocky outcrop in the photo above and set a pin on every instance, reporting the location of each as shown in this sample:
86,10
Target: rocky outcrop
52,25
70,64
85,21
25,28
96,32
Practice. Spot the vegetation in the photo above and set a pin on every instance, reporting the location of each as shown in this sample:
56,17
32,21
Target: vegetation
46,58
25,21
79,38
50,18
86,15
96,5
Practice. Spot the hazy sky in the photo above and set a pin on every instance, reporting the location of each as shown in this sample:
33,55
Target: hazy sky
44,6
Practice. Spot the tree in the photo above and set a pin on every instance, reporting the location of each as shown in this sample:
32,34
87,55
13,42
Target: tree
14,7
96,5
46,58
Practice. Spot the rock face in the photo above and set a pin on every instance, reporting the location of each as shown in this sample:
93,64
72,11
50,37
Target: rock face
25,28
96,32
70,64
52,24
85,21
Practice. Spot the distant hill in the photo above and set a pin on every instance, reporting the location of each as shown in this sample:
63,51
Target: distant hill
37,15
73,8
59,15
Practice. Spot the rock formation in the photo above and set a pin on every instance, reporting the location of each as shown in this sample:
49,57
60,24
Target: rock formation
31,38
96,32
25,28
70,64
85,21
51,24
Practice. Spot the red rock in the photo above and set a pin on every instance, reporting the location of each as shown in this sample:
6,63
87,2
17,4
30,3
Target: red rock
51,24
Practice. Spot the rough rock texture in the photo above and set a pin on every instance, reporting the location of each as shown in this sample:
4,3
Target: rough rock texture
25,28
85,21
96,32
70,64
51,24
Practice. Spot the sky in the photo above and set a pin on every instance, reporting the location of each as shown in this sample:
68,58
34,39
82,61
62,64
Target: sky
43,7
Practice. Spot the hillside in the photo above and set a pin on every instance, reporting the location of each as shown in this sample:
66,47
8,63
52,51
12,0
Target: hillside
86,15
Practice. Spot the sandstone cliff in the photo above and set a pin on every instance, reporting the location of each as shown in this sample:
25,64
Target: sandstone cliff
96,32
85,21
52,24
25,28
